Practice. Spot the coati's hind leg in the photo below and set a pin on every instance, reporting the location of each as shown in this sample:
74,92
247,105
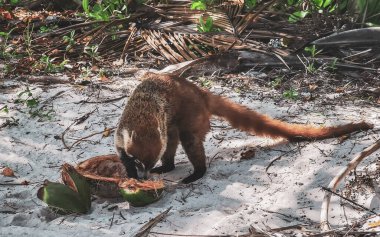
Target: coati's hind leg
193,146
168,157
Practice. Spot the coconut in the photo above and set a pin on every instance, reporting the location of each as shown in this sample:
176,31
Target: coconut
141,193
108,178
103,173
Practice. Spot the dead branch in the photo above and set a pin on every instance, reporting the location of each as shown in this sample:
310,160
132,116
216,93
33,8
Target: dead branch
91,135
113,216
102,101
280,156
145,229
324,224
76,122
349,200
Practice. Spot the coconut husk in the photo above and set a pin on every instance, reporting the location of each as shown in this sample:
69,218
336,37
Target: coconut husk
103,173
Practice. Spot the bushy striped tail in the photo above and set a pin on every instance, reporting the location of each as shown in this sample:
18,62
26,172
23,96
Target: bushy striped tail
247,120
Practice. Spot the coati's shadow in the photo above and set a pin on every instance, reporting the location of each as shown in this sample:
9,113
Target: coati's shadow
225,170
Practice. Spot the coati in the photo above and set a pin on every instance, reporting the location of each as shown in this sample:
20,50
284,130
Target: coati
164,110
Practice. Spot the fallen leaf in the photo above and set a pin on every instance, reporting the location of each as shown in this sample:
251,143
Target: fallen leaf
107,132
312,87
249,154
103,78
55,52
5,14
339,90
8,172
341,139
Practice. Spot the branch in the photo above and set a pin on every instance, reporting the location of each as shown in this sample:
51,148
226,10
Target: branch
324,225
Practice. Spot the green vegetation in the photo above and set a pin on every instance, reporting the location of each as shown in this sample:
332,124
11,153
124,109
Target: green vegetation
4,47
4,109
313,6
198,5
28,39
69,40
105,9
206,25
358,9
46,29
290,94
47,65
276,82
249,4
27,98
92,51
310,65
201,4
11,2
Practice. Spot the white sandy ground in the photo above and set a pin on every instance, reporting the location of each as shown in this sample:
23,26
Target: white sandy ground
233,194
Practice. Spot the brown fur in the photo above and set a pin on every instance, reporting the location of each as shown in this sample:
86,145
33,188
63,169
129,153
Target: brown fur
164,110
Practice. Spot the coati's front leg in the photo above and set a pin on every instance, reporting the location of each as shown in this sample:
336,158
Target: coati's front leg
194,149
171,148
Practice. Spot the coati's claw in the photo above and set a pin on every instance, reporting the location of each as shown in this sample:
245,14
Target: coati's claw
193,177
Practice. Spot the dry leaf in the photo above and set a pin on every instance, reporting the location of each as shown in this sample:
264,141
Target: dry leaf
8,172
249,154
339,90
312,87
341,139
107,132
103,78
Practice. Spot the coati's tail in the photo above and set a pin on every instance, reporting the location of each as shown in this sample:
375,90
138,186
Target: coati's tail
250,121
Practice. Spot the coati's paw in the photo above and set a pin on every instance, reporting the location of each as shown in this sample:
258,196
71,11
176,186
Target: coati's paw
193,177
162,169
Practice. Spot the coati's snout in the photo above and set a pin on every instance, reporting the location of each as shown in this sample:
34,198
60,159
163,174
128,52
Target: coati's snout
135,168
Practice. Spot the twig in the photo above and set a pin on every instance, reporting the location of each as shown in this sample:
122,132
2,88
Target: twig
279,157
91,135
144,231
122,216
113,216
76,122
349,200
242,25
16,184
102,101
63,30
324,225
128,42
282,214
